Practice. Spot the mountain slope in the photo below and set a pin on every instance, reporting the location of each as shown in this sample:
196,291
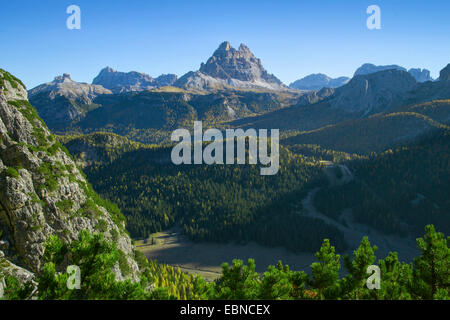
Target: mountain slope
379,132
362,96
150,116
398,191
42,191
373,93
99,147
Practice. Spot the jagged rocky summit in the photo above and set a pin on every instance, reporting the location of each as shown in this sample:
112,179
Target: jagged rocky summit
229,67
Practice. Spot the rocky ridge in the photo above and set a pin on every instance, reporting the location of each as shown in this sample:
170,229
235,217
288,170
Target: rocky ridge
119,82
421,75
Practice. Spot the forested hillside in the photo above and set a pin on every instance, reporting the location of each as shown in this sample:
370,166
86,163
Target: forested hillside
150,116
379,132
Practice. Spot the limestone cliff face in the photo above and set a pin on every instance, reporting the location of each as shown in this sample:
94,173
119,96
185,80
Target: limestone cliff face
42,192
374,93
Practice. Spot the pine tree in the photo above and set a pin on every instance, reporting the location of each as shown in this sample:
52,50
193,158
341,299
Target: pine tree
354,285
432,268
325,272
396,277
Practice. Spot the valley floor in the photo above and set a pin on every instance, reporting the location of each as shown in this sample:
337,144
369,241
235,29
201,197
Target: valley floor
206,258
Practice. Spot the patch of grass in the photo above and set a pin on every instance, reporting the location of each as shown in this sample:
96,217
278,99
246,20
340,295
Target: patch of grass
102,225
11,79
27,110
123,264
36,199
40,136
65,205
89,209
114,235
12,172
51,175
115,213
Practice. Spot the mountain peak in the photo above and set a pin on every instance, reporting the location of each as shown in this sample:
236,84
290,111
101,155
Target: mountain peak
64,78
107,69
224,46
232,67
243,48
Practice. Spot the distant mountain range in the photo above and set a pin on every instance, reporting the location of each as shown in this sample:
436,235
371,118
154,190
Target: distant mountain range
226,69
421,75
318,81
231,86
372,112
119,82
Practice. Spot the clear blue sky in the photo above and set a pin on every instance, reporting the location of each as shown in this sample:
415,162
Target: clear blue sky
292,38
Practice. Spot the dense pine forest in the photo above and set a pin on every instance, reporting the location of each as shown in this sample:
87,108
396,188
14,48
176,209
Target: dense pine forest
216,203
